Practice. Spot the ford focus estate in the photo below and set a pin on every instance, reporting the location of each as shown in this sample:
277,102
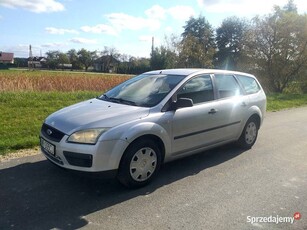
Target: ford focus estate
153,118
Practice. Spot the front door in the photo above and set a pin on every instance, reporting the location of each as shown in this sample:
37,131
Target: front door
192,126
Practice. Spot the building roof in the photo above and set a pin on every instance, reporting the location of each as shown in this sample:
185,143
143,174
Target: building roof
6,56
106,58
39,59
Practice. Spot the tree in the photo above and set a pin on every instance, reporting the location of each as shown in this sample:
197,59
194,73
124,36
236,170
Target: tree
277,44
110,51
192,54
197,46
163,58
53,59
230,42
166,56
290,7
86,58
109,58
200,29
63,58
73,59
139,65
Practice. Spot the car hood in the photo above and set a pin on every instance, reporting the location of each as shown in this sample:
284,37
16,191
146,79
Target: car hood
94,113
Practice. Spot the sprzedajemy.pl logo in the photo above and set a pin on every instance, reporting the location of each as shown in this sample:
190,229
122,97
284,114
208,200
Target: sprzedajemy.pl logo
273,219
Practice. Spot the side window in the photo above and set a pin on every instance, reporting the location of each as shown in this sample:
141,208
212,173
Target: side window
199,89
250,85
227,86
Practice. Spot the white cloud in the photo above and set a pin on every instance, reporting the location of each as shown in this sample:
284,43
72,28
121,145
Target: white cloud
181,12
100,28
123,21
247,7
156,12
37,6
53,30
169,29
118,22
83,41
53,45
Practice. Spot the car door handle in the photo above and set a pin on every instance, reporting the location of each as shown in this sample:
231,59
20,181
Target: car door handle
212,111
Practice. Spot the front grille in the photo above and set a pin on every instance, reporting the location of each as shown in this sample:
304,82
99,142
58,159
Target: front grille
79,159
52,133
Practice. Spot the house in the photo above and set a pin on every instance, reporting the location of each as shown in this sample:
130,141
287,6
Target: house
36,62
6,58
107,64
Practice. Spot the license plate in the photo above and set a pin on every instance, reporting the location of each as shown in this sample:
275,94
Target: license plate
48,147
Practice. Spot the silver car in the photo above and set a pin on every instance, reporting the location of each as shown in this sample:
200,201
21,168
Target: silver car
156,117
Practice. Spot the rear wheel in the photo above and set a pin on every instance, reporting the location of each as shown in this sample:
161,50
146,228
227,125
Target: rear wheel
139,164
249,133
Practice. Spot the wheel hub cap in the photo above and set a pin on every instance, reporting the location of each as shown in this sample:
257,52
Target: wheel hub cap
250,133
143,164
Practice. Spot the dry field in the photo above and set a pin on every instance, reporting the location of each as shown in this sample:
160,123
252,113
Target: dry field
42,81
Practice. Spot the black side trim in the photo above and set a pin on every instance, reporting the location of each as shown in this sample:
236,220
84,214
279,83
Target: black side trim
206,130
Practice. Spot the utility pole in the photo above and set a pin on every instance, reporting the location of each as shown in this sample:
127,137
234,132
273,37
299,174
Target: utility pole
152,45
30,57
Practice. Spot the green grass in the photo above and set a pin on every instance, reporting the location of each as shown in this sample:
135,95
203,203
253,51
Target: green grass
22,113
284,101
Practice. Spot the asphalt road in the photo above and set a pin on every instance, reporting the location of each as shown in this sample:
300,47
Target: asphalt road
219,189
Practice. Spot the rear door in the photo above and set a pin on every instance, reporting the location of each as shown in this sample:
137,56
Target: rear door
233,105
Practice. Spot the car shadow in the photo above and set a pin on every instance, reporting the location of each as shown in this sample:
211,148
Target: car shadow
40,196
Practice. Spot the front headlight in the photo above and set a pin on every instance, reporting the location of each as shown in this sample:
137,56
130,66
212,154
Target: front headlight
88,136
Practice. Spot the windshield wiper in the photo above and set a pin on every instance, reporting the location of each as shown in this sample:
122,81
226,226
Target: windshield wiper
120,100
117,100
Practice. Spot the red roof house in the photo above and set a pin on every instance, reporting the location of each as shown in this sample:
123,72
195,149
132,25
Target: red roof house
6,57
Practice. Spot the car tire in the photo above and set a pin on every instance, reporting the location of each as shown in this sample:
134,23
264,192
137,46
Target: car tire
139,164
249,134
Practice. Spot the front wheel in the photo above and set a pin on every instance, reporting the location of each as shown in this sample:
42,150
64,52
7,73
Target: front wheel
249,134
139,164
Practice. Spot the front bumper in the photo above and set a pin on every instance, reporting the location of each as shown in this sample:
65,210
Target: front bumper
103,156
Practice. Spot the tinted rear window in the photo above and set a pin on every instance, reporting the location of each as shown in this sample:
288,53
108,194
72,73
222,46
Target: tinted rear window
227,86
250,85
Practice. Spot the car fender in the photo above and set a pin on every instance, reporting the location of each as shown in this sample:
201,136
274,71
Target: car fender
255,110
147,128
250,112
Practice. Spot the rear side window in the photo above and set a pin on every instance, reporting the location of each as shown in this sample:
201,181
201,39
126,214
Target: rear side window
227,86
250,84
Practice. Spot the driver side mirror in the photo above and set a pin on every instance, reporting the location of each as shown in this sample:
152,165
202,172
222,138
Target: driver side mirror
182,103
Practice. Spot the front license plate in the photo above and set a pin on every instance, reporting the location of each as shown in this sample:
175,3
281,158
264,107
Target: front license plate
48,147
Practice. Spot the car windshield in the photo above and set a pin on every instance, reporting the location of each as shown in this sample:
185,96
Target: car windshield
145,90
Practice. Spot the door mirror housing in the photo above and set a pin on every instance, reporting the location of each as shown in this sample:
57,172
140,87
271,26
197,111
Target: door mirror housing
182,103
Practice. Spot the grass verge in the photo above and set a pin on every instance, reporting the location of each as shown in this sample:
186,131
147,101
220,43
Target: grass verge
285,101
22,114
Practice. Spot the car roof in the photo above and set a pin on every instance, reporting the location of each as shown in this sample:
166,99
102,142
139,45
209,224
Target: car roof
190,71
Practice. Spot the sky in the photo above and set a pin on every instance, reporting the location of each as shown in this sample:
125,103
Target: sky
126,25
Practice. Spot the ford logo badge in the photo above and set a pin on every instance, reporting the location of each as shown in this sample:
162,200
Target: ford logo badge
49,132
